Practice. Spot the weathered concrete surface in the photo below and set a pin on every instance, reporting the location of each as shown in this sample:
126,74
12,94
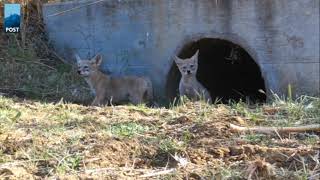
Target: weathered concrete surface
141,36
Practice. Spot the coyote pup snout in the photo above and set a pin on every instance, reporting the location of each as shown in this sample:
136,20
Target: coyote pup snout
189,85
115,90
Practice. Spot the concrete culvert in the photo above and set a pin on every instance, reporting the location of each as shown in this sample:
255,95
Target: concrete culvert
225,69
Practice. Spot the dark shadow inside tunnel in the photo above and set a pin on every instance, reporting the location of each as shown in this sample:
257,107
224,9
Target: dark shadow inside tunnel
225,69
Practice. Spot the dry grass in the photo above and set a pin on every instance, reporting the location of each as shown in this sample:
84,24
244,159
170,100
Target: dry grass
24,74
190,140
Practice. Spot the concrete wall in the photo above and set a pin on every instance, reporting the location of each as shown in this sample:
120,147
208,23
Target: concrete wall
141,36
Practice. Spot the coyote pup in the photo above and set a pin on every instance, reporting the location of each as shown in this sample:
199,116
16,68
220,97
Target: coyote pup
189,85
116,90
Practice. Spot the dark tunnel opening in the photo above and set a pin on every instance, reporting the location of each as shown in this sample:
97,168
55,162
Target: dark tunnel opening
225,69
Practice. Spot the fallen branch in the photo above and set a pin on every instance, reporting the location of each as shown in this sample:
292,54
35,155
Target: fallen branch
90,171
272,130
168,171
19,163
149,174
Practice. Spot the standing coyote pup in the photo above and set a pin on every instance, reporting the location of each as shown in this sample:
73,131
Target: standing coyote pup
116,90
189,85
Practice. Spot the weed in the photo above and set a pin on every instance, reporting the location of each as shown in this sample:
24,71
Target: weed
9,115
304,108
127,129
186,137
242,109
140,108
3,157
181,101
170,146
71,162
169,176
312,140
229,173
255,138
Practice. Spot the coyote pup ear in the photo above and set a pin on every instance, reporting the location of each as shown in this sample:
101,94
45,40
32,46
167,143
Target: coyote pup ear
77,57
97,59
177,60
195,56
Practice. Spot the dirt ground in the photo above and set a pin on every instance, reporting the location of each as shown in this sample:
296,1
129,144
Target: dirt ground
188,141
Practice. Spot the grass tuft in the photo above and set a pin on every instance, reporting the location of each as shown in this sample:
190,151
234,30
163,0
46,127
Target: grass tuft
127,129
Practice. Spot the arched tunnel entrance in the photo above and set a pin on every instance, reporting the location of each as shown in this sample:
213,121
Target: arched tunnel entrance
225,69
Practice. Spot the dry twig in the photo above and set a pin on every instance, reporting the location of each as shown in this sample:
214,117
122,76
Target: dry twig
271,130
167,171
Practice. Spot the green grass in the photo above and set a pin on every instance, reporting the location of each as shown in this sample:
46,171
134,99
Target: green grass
171,146
302,110
230,173
69,163
257,139
127,129
313,140
186,137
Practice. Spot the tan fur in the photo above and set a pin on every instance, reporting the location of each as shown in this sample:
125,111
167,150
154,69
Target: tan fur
114,90
189,85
